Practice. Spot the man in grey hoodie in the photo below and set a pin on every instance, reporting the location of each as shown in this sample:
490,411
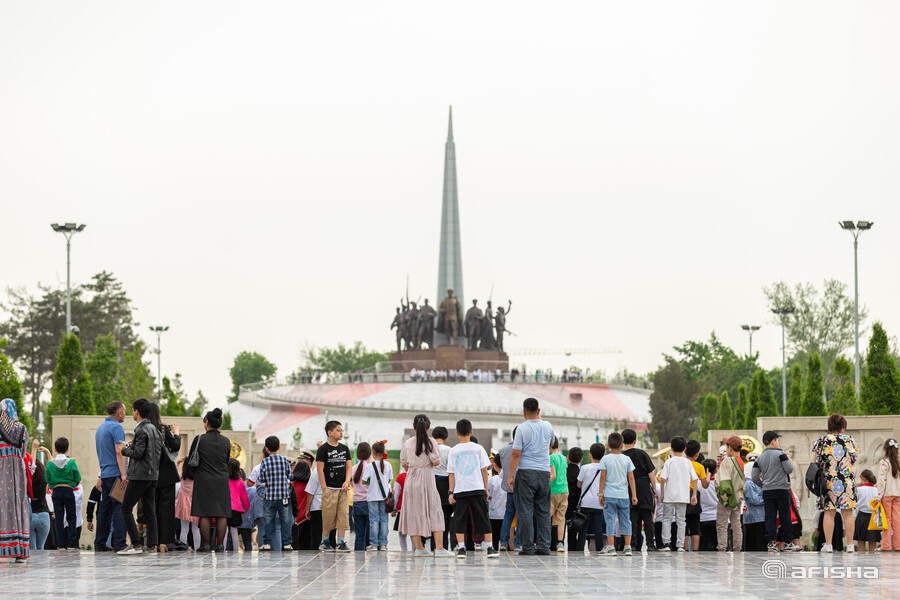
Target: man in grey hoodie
771,471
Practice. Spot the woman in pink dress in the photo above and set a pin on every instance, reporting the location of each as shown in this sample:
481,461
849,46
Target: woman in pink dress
422,515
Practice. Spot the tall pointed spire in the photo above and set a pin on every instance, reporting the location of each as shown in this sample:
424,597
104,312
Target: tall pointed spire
450,259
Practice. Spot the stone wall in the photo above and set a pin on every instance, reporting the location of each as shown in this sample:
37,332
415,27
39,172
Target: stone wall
80,430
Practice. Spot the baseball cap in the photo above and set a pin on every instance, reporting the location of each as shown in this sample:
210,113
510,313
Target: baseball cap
769,437
734,442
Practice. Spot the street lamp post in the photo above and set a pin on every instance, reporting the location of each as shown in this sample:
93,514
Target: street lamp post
68,230
855,230
159,329
751,329
783,312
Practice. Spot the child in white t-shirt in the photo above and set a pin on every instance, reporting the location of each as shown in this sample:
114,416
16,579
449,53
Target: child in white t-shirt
675,478
709,504
467,467
496,500
378,476
865,492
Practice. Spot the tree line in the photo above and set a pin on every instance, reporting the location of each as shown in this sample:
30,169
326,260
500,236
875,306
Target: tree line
707,385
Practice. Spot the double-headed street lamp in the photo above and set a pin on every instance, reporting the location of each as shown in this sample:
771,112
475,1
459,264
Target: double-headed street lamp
783,312
751,329
855,230
159,329
68,230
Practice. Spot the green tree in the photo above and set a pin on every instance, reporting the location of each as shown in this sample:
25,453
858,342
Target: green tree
822,322
726,421
795,396
844,400
103,367
174,399
341,358
198,405
226,421
880,385
710,415
813,404
714,367
752,401
765,403
71,393
135,374
743,405
100,307
670,403
249,367
11,387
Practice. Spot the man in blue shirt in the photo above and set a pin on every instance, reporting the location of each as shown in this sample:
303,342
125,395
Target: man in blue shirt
112,466
529,478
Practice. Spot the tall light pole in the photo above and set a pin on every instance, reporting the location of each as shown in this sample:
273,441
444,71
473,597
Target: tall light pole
68,230
855,230
159,329
751,329
783,312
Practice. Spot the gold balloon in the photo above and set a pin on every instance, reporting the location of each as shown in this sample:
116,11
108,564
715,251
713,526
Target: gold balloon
238,453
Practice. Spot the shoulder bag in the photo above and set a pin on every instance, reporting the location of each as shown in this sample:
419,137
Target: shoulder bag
194,459
389,501
578,521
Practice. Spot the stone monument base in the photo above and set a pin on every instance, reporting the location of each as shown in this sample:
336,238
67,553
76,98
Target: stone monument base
450,357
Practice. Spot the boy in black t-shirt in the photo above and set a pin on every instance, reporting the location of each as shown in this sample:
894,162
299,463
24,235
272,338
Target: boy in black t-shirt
642,512
333,465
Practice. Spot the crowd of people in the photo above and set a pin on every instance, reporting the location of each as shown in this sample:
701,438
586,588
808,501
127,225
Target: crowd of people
448,501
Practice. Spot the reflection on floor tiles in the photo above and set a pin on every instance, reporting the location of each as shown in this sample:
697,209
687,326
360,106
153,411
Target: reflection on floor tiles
397,575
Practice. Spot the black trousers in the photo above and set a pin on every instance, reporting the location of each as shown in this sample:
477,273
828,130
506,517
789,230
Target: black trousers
165,514
641,516
496,526
145,491
777,504
708,536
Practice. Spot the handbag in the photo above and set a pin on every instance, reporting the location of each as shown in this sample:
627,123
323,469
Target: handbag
194,458
879,520
389,501
578,521
172,456
815,479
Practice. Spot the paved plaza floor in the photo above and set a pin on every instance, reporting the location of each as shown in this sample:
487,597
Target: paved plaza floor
395,575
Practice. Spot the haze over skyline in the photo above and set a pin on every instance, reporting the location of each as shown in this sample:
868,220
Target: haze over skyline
262,177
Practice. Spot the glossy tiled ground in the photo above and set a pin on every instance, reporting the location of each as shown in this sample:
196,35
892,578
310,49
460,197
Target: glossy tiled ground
396,575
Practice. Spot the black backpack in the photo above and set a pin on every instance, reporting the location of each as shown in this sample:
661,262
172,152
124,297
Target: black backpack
815,479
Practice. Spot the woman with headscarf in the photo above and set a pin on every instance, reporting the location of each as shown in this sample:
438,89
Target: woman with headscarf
15,513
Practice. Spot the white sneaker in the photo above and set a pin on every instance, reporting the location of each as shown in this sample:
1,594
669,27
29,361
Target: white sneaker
851,548
130,550
608,551
681,550
665,549
827,548
627,551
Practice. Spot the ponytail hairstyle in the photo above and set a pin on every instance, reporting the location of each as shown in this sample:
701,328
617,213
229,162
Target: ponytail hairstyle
363,452
422,424
868,476
378,448
890,453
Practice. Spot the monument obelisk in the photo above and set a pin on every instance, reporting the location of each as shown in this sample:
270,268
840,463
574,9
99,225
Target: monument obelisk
450,257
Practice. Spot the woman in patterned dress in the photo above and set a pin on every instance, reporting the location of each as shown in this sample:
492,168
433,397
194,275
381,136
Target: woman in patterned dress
836,453
15,508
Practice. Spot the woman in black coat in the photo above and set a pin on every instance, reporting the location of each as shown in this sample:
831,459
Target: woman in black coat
212,494
168,477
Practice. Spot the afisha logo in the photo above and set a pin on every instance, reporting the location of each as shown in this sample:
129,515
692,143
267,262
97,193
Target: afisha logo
777,569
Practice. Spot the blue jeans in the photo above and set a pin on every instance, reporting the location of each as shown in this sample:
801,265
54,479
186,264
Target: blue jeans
595,525
40,529
378,523
277,511
64,506
532,491
617,507
508,517
109,513
261,537
360,525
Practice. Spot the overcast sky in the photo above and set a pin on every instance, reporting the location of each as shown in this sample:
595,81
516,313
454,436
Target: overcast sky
265,175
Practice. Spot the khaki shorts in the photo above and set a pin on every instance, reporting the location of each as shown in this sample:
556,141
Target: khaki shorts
558,505
335,510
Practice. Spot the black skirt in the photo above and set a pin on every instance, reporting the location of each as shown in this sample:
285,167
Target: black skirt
862,533
236,518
